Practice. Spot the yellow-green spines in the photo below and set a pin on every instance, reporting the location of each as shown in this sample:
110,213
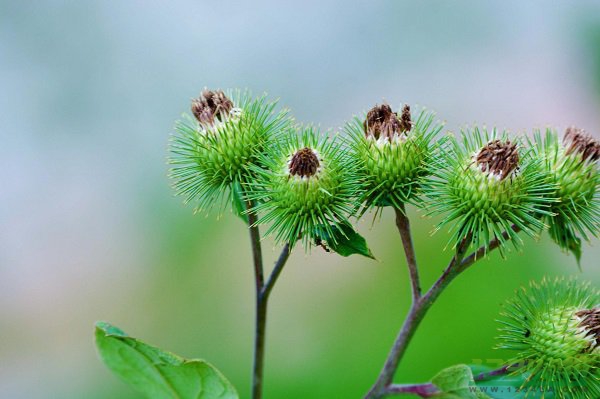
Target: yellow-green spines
571,166
556,345
486,184
393,154
307,185
557,337
394,165
227,150
490,196
222,145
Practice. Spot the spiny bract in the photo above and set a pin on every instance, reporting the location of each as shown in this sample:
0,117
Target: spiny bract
216,152
392,153
308,185
573,168
554,327
486,185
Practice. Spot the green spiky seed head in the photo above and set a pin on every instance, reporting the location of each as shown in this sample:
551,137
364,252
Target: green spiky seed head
392,153
572,166
307,185
220,147
554,327
487,184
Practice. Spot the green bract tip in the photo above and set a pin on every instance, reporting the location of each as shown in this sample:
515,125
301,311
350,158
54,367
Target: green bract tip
554,327
220,147
572,167
307,187
392,153
486,184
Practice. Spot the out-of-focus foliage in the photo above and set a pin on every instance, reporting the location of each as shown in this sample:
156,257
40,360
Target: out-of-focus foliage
156,373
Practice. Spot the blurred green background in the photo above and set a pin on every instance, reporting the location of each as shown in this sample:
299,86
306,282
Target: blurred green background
90,229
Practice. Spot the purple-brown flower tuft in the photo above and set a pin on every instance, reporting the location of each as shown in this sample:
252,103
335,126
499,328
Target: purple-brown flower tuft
590,322
304,163
578,141
382,122
498,158
211,105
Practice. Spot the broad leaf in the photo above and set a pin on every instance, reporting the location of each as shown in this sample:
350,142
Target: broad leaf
457,382
156,373
343,240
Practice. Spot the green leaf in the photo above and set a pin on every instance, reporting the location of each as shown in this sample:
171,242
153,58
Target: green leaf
237,201
452,378
156,373
457,382
343,240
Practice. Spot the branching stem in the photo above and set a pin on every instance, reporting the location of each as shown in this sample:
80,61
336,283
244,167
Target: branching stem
422,303
428,389
283,257
263,291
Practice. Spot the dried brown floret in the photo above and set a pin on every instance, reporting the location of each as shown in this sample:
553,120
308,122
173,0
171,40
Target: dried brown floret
590,321
211,105
381,121
304,163
405,122
498,158
578,141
